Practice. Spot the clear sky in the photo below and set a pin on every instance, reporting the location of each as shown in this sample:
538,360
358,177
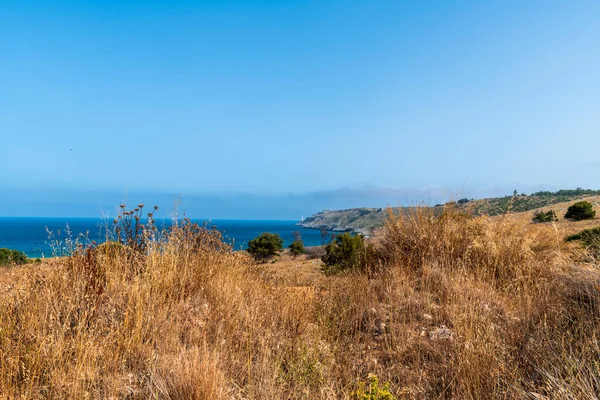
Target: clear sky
294,99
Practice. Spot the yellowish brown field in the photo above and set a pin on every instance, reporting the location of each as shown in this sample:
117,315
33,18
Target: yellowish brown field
461,307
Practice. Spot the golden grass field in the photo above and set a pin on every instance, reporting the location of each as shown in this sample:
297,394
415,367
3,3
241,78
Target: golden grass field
460,308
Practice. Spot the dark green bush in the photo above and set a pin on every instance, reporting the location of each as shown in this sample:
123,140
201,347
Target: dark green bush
297,248
548,216
265,246
589,237
8,257
345,252
580,211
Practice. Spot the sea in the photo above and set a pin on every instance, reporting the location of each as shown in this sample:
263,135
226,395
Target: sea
44,237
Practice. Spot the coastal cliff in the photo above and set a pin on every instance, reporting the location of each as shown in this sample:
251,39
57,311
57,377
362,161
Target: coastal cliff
355,220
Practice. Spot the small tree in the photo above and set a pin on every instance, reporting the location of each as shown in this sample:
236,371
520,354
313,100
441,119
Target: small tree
346,252
580,211
548,216
266,245
297,248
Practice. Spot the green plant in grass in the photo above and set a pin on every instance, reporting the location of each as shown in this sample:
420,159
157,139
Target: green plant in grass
373,390
345,252
265,246
548,216
12,257
580,211
589,237
297,248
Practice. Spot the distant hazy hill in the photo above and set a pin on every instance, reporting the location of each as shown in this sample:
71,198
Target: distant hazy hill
365,219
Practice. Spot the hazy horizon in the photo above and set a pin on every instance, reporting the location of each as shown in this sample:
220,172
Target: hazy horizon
95,204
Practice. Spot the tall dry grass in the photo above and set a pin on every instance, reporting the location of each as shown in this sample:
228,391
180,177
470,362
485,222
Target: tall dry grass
462,307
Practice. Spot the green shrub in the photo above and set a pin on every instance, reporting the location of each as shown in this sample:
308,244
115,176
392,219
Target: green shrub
297,248
588,236
548,216
8,257
346,252
373,390
580,211
266,245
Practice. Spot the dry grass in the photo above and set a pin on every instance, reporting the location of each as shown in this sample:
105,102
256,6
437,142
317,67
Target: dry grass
465,308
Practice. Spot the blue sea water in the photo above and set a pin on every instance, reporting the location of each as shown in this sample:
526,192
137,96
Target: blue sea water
31,235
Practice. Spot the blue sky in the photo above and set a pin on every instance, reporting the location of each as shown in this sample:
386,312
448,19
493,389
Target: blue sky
289,101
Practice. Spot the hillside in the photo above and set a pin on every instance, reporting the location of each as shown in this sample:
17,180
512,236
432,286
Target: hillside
363,220
352,220
460,308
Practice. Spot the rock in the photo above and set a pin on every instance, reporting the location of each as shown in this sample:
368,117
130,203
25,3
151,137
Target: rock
441,333
428,317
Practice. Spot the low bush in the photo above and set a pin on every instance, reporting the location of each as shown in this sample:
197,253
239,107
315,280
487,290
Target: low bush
373,390
10,257
345,252
265,246
589,237
548,216
580,211
297,248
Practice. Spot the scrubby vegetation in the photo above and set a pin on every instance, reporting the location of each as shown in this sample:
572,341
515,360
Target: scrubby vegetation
520,203
373,390
346,252
297,248
590,238
580,211
568,193
12,257
459,307
265,246
548,216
